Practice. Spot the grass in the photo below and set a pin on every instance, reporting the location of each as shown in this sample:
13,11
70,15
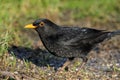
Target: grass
15,14
95,9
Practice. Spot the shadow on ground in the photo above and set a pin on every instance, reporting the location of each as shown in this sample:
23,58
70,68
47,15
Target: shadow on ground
37,56
43,58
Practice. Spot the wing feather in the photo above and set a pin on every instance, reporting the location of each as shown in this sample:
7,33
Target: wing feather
81,37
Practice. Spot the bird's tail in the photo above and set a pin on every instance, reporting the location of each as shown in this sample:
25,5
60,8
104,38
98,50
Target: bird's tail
112,34
106,36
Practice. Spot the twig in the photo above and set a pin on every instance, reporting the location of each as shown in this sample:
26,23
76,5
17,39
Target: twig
5,73
14,76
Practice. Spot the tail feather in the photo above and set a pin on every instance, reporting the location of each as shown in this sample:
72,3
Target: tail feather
105,36
117,32
112,34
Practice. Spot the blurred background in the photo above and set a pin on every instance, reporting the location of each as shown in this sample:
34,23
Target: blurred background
15,14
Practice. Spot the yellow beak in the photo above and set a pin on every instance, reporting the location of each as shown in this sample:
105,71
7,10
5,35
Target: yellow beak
30,26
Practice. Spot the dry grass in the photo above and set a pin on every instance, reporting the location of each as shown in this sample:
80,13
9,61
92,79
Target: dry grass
20,57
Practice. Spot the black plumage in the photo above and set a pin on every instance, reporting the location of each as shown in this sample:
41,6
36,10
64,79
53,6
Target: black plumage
69,42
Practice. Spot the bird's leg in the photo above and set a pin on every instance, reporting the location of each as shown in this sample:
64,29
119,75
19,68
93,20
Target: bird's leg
65,66
85,59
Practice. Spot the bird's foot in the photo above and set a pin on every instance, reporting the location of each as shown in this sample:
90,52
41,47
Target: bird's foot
62,69
81,67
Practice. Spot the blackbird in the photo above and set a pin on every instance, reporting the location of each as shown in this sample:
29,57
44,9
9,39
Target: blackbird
69,42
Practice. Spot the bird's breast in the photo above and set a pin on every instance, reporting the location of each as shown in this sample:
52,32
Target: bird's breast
61,51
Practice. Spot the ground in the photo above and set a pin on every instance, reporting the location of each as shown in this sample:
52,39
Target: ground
23,57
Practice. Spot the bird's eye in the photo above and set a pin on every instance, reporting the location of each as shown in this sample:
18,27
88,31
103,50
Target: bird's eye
41,24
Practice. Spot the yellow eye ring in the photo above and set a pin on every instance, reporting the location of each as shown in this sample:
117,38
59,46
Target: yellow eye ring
41,24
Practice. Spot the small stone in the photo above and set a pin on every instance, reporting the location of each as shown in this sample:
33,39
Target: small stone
16,72
11,57
49,74
76,69
115,75
117,64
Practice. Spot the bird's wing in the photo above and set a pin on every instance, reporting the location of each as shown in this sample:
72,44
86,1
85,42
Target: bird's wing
81,37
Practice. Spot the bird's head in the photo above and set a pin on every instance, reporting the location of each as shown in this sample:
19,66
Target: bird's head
43,25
